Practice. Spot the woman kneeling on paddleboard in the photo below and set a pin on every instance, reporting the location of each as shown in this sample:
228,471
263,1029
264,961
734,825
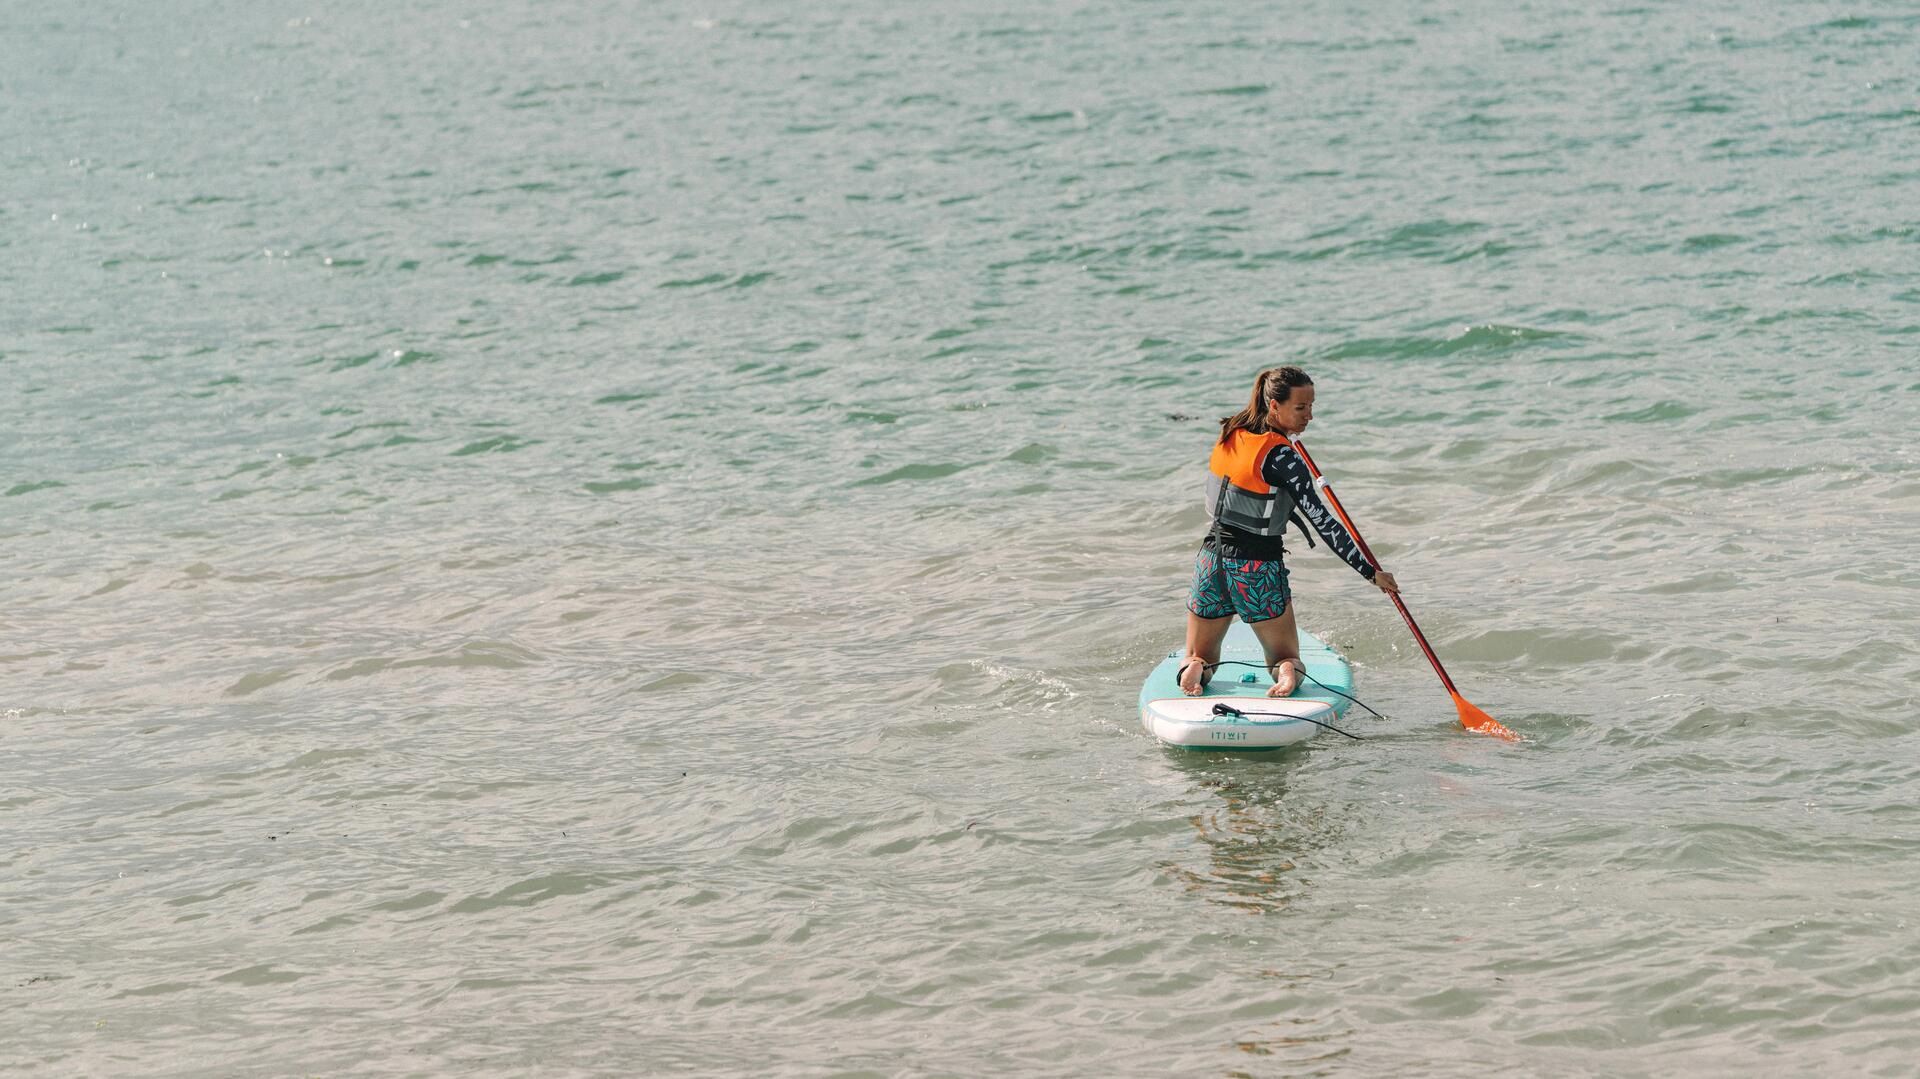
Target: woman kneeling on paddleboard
1256,483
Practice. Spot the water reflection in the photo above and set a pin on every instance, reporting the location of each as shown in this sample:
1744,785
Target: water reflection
1254,837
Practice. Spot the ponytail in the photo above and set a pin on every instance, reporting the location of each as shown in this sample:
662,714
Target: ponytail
1272,387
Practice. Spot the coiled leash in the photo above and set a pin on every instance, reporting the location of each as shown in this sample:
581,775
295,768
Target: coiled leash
1229,710
1222,708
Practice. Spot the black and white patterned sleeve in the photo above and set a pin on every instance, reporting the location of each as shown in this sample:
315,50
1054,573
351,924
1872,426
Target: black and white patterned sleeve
1285,468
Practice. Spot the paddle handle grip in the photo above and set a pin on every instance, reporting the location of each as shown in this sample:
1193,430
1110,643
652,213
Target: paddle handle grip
1366,552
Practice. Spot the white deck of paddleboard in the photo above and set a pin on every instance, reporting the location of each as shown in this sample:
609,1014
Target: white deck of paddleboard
1178,720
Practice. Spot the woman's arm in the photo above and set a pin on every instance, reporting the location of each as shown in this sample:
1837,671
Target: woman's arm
1284,468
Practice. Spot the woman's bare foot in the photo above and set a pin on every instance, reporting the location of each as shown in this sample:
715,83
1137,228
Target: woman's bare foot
1193,676
1286,678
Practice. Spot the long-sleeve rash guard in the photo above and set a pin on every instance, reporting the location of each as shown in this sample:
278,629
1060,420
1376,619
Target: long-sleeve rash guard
1284,468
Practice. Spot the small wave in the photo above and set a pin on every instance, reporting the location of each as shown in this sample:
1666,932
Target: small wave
1487,337
532,892
19,489
1710,241
912,473
1026,688
1658,412
1539,647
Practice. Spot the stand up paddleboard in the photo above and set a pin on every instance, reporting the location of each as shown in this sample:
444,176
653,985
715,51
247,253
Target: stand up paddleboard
1184,722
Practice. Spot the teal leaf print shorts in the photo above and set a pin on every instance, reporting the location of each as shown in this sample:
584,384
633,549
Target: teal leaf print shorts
1254,590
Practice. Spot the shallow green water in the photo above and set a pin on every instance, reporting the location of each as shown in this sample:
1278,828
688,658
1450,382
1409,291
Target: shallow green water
592,539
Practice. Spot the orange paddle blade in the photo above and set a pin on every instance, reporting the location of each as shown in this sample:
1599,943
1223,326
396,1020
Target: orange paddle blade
1475,720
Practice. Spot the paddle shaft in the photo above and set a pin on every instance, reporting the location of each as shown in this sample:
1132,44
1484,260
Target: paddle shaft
1366,552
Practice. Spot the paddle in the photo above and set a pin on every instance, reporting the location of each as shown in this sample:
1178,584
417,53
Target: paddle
1471,718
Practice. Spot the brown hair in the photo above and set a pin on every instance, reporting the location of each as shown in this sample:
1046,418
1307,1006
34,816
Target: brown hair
1273,387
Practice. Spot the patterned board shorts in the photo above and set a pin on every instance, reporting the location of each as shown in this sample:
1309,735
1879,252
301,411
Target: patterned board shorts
1256,591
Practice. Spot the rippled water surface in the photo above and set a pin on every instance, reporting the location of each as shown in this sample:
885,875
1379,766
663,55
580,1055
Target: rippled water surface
623,538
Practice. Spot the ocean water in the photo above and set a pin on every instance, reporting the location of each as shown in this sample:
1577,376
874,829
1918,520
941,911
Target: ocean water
622,539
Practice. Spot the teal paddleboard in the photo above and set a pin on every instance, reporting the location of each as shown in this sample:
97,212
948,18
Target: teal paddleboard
1191,723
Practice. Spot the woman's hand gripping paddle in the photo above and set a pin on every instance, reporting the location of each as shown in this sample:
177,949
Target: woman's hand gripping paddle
1471,717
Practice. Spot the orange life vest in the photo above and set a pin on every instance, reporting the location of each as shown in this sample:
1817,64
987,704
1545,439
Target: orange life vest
1238,495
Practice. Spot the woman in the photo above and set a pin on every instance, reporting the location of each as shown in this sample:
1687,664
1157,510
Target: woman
1256,483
